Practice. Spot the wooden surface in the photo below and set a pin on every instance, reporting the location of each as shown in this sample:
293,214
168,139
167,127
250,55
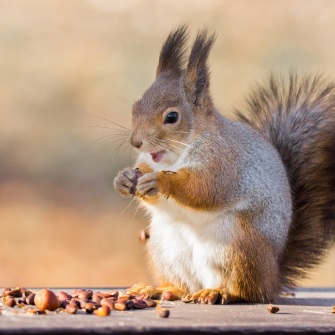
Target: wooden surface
308,312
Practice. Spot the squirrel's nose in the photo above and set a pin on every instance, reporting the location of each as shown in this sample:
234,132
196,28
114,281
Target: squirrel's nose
136,142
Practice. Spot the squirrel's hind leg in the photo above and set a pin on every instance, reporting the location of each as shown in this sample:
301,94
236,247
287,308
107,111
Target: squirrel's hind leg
253,271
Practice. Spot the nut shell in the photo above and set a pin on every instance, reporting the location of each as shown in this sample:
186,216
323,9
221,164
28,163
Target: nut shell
46,299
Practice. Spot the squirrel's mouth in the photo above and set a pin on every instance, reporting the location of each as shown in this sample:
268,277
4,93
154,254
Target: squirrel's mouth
157,156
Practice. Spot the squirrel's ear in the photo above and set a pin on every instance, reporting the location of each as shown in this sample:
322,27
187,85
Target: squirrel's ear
173,51
197,72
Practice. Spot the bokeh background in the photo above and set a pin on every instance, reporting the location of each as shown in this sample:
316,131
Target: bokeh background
69,66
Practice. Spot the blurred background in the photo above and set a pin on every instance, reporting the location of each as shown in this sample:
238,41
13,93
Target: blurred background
69,66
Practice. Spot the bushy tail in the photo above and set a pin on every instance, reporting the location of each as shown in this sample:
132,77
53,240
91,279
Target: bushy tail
297,115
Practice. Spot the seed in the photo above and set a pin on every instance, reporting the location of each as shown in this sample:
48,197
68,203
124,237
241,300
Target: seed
139,304
170,296
30,299
63,295
333,309
16,293
120,306
130,304
124,297
114,294
75,293
27,292
102,311
90,307
64,303
110,302
82,302
150,302
87,294
46,299
9,301
71,308
76,301
96,297
162,312
273,309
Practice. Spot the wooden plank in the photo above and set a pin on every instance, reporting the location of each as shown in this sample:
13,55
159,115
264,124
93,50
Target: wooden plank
308,312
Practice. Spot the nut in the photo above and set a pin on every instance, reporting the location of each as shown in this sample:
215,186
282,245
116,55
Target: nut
46,299
162,312
170,296
87,294
63,295
64,303
102,311
75,293
120,306
96,297
26,292
110,302
114,294
150,303
30,299
16,293
333,309
71,308
90,307
138,304
9,301
273,309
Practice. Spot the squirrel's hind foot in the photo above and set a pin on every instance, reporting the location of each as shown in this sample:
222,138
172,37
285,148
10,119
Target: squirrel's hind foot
167,292
211,296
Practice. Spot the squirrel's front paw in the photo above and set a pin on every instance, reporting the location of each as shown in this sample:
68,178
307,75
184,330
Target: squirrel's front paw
147,185
126,181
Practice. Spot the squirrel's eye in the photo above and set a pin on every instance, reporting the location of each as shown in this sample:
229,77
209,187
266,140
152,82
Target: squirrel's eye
172,117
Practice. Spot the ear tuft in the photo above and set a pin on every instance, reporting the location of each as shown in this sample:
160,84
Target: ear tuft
172,55
197,73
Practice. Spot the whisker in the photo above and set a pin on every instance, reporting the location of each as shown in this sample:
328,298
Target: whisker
179,131
138,206
107,143
168,139
116,151
101,118
132,200
102,127
157,141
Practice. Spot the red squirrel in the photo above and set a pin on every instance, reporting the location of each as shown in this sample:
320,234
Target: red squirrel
239,210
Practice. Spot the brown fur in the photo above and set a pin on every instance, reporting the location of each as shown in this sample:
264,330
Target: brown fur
253,273
297,115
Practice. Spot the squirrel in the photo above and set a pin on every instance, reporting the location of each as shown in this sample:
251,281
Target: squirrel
239,209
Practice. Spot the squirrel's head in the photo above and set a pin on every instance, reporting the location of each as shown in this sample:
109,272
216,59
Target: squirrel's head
175,110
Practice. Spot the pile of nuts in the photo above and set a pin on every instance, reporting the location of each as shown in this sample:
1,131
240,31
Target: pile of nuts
98,303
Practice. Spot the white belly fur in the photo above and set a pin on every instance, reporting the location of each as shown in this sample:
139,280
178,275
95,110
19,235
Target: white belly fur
184,244
187,246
